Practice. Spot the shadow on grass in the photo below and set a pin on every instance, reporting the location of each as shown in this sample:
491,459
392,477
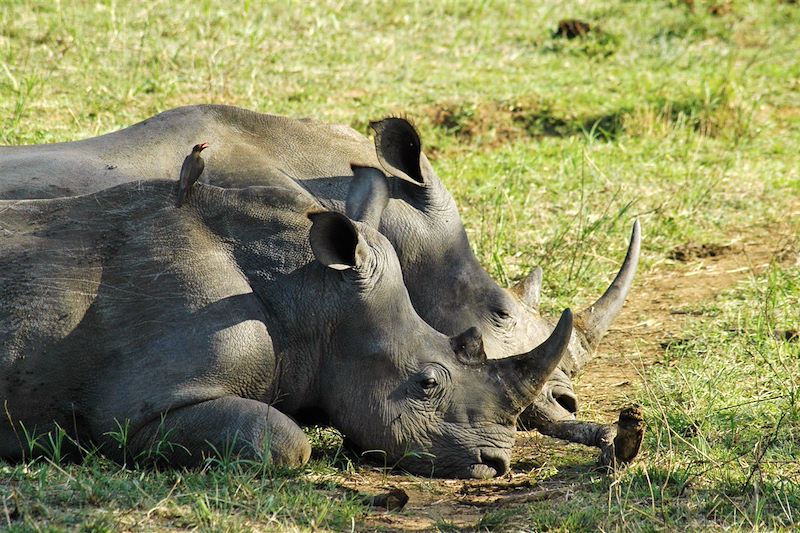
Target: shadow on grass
495,123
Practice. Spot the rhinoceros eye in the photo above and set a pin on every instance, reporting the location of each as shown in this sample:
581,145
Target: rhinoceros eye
501,317
502,314
427,383
430,382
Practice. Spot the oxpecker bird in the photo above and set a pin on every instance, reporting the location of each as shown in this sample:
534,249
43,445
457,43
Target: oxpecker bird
190,172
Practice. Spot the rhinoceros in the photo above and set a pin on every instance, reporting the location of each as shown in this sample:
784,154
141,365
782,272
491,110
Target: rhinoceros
211,324
447,285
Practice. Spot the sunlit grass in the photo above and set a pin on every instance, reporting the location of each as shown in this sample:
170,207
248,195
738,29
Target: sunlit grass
682,114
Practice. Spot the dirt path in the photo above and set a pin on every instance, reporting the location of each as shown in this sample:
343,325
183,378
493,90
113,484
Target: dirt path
666,299
663,302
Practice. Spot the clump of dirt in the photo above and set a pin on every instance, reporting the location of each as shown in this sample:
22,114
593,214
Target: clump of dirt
692,250
788,335
392,500
584,39
720,9
573,28
716,9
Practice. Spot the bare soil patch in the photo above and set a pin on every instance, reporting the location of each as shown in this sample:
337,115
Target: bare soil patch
662,302
693,250
496,123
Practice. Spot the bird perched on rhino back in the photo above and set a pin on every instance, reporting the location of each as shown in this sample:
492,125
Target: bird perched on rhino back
190,172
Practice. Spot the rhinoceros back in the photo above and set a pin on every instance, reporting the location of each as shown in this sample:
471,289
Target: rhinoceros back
246,148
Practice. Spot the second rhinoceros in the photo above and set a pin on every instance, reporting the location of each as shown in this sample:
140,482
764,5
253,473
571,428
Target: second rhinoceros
447,285
209,325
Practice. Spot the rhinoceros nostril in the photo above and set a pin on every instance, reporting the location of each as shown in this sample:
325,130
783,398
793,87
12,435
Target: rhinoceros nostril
567,401
495,459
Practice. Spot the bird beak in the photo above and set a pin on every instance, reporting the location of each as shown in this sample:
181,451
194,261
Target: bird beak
203,146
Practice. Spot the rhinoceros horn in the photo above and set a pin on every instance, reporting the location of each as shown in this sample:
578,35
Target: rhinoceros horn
522,376
595,320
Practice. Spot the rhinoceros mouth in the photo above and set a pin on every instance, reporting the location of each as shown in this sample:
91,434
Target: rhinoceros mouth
493,463
482,471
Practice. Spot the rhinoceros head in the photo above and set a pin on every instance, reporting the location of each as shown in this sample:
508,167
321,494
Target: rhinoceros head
399,390
450,289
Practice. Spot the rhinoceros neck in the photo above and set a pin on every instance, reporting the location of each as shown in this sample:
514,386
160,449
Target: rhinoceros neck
441,272
269,244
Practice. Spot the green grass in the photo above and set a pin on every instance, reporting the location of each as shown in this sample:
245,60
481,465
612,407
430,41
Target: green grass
727,409
686,116
723,441
101,496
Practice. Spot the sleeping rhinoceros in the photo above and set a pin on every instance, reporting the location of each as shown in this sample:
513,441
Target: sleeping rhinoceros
211,324
447,285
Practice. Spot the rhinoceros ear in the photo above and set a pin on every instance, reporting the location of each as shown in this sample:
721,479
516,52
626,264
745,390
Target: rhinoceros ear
468,347
399,149
367,196
335,241
529,288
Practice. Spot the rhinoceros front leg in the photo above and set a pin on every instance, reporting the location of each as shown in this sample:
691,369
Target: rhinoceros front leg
245,428
619,443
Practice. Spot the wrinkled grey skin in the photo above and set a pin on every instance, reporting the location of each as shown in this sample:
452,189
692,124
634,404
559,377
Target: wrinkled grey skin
447,285
228,314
